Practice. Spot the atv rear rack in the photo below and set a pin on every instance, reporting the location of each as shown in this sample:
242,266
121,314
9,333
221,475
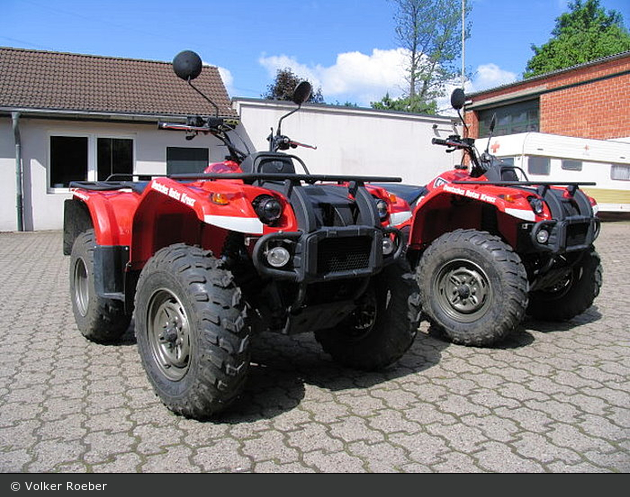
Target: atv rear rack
288,179
307,178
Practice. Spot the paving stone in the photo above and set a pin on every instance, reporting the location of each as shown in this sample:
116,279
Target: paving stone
554,397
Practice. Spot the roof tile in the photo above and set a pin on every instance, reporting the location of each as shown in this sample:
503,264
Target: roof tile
34,79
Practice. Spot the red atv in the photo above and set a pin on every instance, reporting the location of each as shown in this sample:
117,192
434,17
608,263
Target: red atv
205,260
489,246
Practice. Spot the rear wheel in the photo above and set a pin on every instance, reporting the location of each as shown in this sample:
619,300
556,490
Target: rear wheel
473,287
192,331
99,319
572,295
383,326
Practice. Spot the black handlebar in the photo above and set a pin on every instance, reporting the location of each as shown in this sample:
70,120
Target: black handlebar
455,141
201,124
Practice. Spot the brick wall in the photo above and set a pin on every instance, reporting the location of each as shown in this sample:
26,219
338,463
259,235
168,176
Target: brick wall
588,101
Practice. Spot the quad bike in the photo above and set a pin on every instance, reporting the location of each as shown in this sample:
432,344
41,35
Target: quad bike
490,247
205,260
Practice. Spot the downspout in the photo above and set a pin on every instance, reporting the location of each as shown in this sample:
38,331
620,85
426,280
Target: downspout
15,117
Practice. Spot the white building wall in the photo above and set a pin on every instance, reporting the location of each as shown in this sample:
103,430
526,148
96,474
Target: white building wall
349,141
8,201
43,206
355,141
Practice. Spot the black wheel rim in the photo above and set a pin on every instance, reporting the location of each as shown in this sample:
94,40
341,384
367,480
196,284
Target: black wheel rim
562,287
168,333
81,288
363,318
463,289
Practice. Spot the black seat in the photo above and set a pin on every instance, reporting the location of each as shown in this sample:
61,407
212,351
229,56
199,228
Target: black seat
508,174
268,162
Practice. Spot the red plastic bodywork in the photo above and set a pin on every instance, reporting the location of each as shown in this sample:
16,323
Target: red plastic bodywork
198,212
169,211
448,206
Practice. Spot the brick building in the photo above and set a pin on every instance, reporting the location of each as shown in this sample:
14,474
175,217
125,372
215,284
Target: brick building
587,101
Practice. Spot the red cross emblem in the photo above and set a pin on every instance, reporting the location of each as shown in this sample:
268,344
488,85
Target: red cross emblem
495,146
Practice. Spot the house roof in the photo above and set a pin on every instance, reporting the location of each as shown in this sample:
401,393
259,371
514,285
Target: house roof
543,77
32,80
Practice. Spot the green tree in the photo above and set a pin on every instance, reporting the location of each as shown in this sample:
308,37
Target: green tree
406,104
585,33
431,33
283,86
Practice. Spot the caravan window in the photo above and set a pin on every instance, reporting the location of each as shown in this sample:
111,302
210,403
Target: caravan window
571,165
538,165
620,172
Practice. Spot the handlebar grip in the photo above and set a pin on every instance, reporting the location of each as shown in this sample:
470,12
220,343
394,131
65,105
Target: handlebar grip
439,141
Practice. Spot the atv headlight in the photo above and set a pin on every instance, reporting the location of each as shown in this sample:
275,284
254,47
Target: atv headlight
537,204
278,257
388,246
542,236
268,208
381,207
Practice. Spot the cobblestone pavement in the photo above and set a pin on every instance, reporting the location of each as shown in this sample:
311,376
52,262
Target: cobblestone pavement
553,398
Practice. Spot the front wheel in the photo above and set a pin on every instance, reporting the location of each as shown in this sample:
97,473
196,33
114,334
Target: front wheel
473,287
383,326
192,331
571,296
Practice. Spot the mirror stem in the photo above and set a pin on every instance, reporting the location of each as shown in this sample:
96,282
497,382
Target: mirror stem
216,109
285,116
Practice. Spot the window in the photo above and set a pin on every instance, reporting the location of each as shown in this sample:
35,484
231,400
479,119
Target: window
114,156
186,160
81,158
571,165
515,118
68,160
620,172
538,165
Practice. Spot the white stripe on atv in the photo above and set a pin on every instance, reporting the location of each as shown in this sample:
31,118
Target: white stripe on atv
521,214
251,225
399,217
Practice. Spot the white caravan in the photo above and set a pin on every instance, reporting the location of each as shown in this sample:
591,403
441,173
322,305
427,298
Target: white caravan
546,157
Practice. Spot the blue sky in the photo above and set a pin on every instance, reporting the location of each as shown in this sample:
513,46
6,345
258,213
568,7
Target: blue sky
347,47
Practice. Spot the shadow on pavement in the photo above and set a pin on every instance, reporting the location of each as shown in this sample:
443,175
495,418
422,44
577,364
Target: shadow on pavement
283,367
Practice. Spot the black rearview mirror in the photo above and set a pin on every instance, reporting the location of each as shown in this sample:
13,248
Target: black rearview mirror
187,65
458,99
302,92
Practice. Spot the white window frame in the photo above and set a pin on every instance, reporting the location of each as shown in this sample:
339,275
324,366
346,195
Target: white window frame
92,166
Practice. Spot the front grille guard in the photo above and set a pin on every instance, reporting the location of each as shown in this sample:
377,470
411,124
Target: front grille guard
569,235
311,253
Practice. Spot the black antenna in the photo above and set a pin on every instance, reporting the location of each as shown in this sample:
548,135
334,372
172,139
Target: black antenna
493,123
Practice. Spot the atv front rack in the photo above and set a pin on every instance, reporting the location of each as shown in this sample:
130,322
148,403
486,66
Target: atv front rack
526,183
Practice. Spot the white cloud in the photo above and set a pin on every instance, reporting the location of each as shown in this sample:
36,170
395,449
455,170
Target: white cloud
228,79
485,77
362,78
489,76
355,76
